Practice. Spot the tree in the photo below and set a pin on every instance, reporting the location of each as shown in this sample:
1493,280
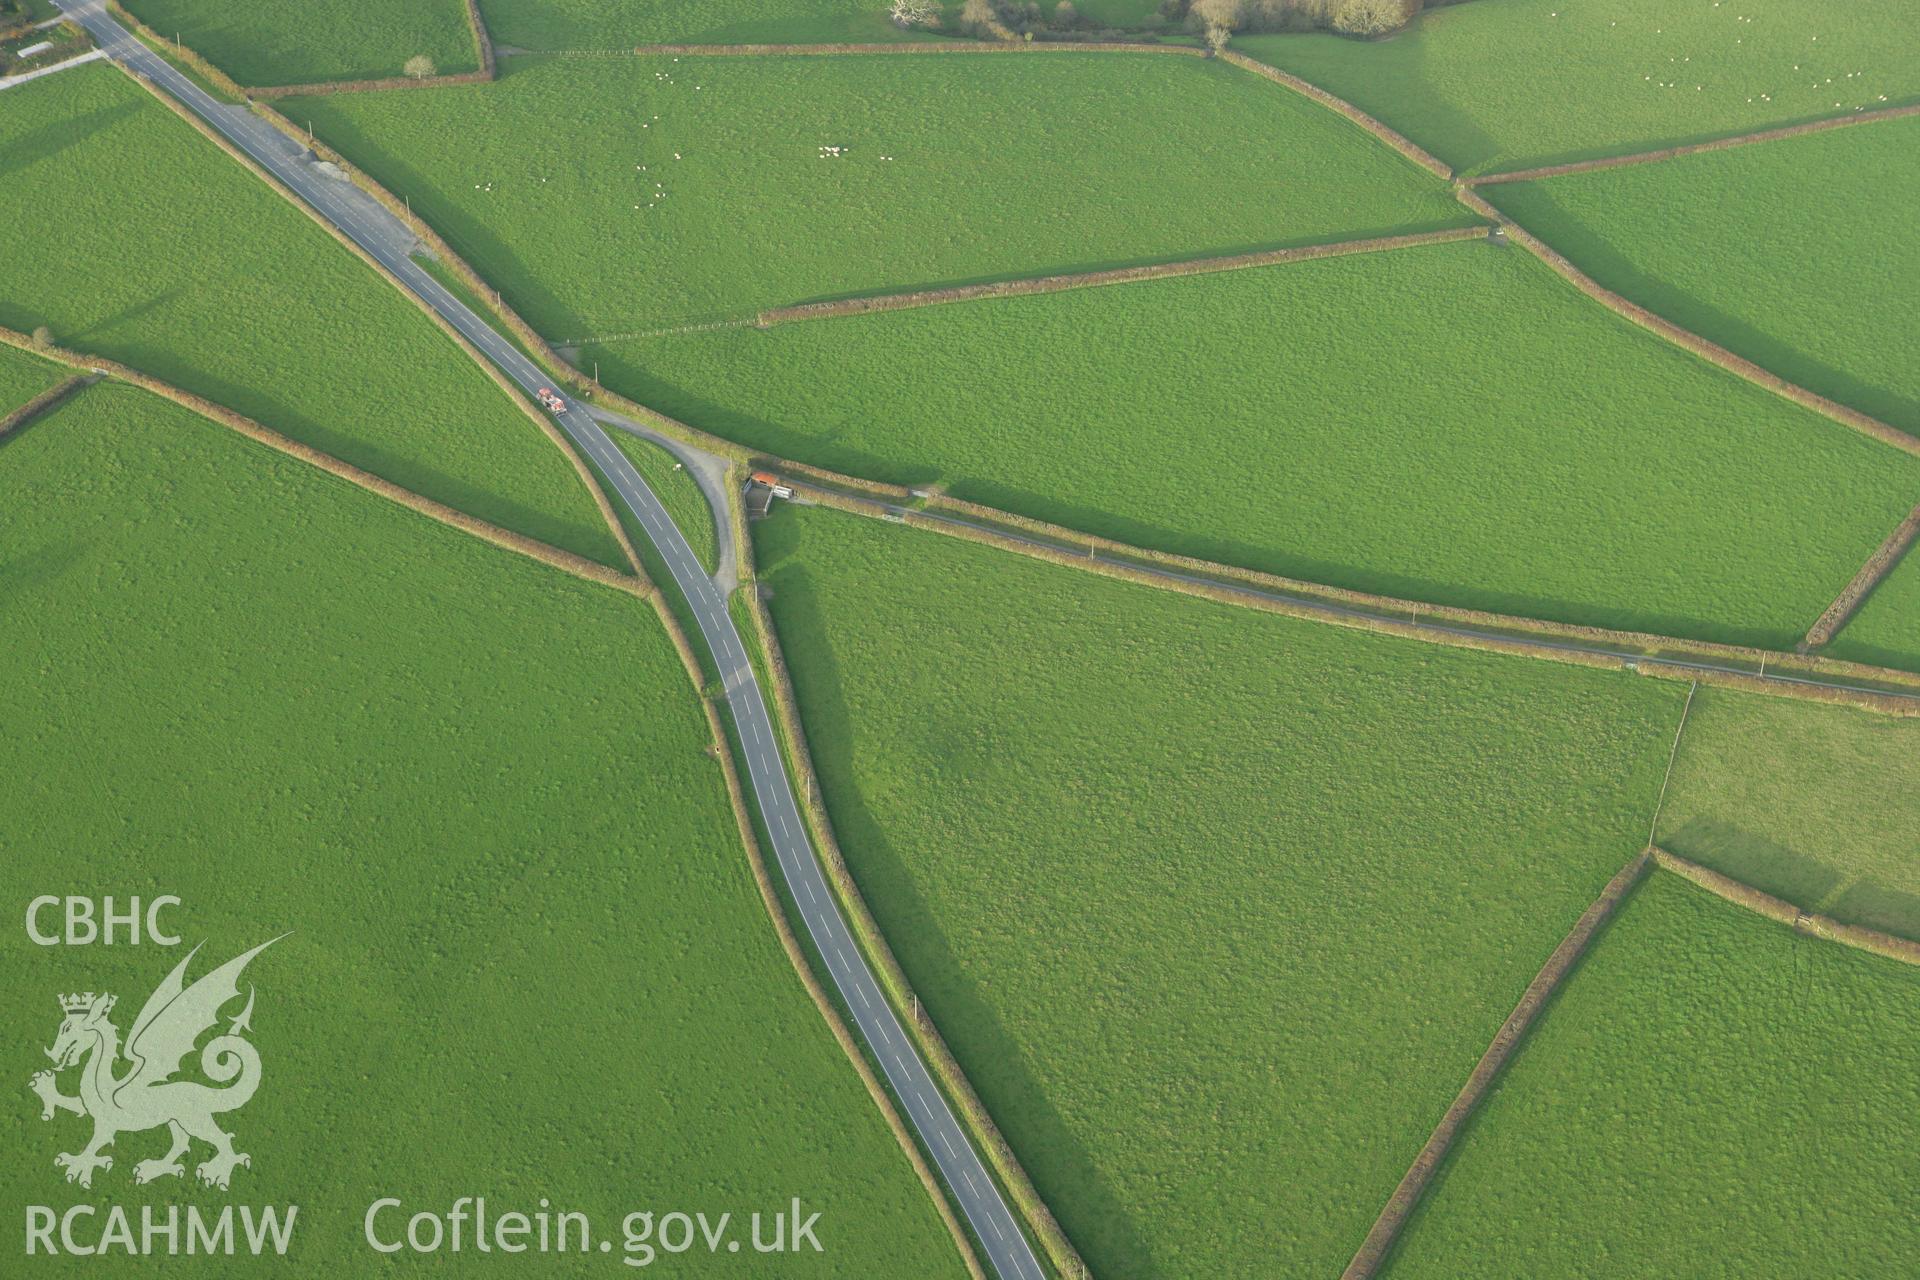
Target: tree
1216,20
915,13
419,66
1065,16
1370,17
42,336
978,18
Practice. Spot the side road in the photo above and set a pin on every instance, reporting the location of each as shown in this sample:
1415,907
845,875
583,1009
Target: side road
994,1225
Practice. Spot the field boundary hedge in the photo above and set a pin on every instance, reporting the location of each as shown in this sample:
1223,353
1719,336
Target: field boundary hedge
893,979
1097,279
1386,1228
1648,655
1693,148
789,943
41,403
185,53
1393,138
1878,566
1738,892
476,29
537,347
554,557
473,353
1686,339
1634,644
919,46
723,753
1646,647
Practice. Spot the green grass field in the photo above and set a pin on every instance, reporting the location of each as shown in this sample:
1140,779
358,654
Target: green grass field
1886,630
677,491
22,377
621,24
560,183
260,44
1508,84
1216,908
527,956
1709,1095
1794,281
1810,803
138,240
1503,444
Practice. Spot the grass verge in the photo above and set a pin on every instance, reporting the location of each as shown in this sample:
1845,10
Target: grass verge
1506,84
387,723
594,217
221,287
1179,974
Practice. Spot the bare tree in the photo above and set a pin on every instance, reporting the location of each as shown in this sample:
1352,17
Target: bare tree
915,13
1065,16
978,18
1216,20
42,336
419,66
1371,17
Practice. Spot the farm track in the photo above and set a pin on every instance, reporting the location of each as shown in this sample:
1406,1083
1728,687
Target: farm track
944,1140
720,447
1524,636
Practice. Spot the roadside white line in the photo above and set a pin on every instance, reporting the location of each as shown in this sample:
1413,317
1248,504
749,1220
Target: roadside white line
772,789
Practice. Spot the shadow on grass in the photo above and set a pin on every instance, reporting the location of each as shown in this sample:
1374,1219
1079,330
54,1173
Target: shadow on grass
50,140
1796,877
1595,255
23,573
495,260
1465,218
965,1011
825,448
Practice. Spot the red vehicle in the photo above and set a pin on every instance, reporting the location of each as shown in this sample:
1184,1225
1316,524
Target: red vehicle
553,402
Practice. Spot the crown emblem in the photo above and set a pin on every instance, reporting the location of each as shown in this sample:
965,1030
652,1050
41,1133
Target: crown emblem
79,1002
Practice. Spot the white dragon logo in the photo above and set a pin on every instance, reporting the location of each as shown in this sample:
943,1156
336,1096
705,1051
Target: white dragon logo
146,1095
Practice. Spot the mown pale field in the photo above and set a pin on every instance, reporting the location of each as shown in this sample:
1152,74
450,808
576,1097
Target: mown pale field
1784,252
1508,84
1819,805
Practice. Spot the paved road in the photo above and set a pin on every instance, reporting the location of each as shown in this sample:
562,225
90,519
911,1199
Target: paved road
709,471
1007,1249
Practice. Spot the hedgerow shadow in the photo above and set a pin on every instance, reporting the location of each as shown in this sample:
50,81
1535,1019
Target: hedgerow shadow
993,1060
